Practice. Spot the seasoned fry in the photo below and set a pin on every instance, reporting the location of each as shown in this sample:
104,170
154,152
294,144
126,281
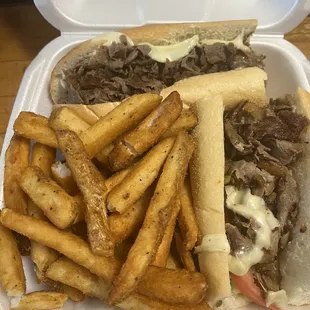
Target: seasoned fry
12,275
43,157
16,161
91,184
156,219
116,179
124,225
35,127
39,301
185,255
64,118
64,242
187,120
60,208
63,176
103,155
141,138
187,219
161,256
123,196
102,109
177,286
124,117
66,271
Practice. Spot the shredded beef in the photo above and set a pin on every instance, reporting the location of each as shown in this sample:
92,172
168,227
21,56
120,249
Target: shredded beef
261,146
120,70
238,242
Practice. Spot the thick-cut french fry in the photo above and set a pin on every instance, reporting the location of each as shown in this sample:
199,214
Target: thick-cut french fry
116,179
39,301
156,219
64,118
64,242
177,286
91,184
72,292
187,219
35,127
103,155
63,176
12,275
185,255
141,138
187,120
43,157
124,117
66,271
124,225
60,208
161,256
16,161
122,197
102,109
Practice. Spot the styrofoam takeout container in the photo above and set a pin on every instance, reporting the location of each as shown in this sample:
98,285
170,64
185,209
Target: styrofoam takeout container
79,20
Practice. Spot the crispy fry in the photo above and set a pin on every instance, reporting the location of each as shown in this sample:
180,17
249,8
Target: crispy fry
124,117
35,127
60,208
122,197
64,118
66,271
177,286
103,155
156,219
12,275
91,184
43,157
39,301
16,161
64,242
185,255
116,179
187,219
63,176
161,256
187,121
141,138
102,109
124,225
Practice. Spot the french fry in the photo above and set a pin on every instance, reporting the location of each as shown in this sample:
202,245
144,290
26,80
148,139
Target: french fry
12,275
103,155
62,241
156,219
39,301
43,157
185,255
64,118
187,219
124,225
102,109
63,176
91,184
16,161
35,127
124,117
177,286
66,271
142,137
123,196
187,121
116,179
161,256
60,208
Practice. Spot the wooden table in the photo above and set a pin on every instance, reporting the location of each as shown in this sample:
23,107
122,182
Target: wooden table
24,32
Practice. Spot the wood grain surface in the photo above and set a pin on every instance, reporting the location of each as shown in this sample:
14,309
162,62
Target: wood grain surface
24,32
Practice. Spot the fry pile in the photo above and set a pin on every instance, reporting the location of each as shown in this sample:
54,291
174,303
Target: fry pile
107,220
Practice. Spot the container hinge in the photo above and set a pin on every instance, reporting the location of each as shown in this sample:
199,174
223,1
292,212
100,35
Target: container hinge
269,35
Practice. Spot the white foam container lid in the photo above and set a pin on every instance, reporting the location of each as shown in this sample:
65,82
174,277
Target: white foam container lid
79,20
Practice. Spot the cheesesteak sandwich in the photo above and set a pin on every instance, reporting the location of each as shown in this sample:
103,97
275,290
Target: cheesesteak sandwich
250,182
114,66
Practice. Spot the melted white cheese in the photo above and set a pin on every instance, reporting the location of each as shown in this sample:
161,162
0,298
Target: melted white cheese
278,299
213,243
251,207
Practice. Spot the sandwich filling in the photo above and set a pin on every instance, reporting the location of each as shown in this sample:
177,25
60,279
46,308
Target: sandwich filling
261,147
115,71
